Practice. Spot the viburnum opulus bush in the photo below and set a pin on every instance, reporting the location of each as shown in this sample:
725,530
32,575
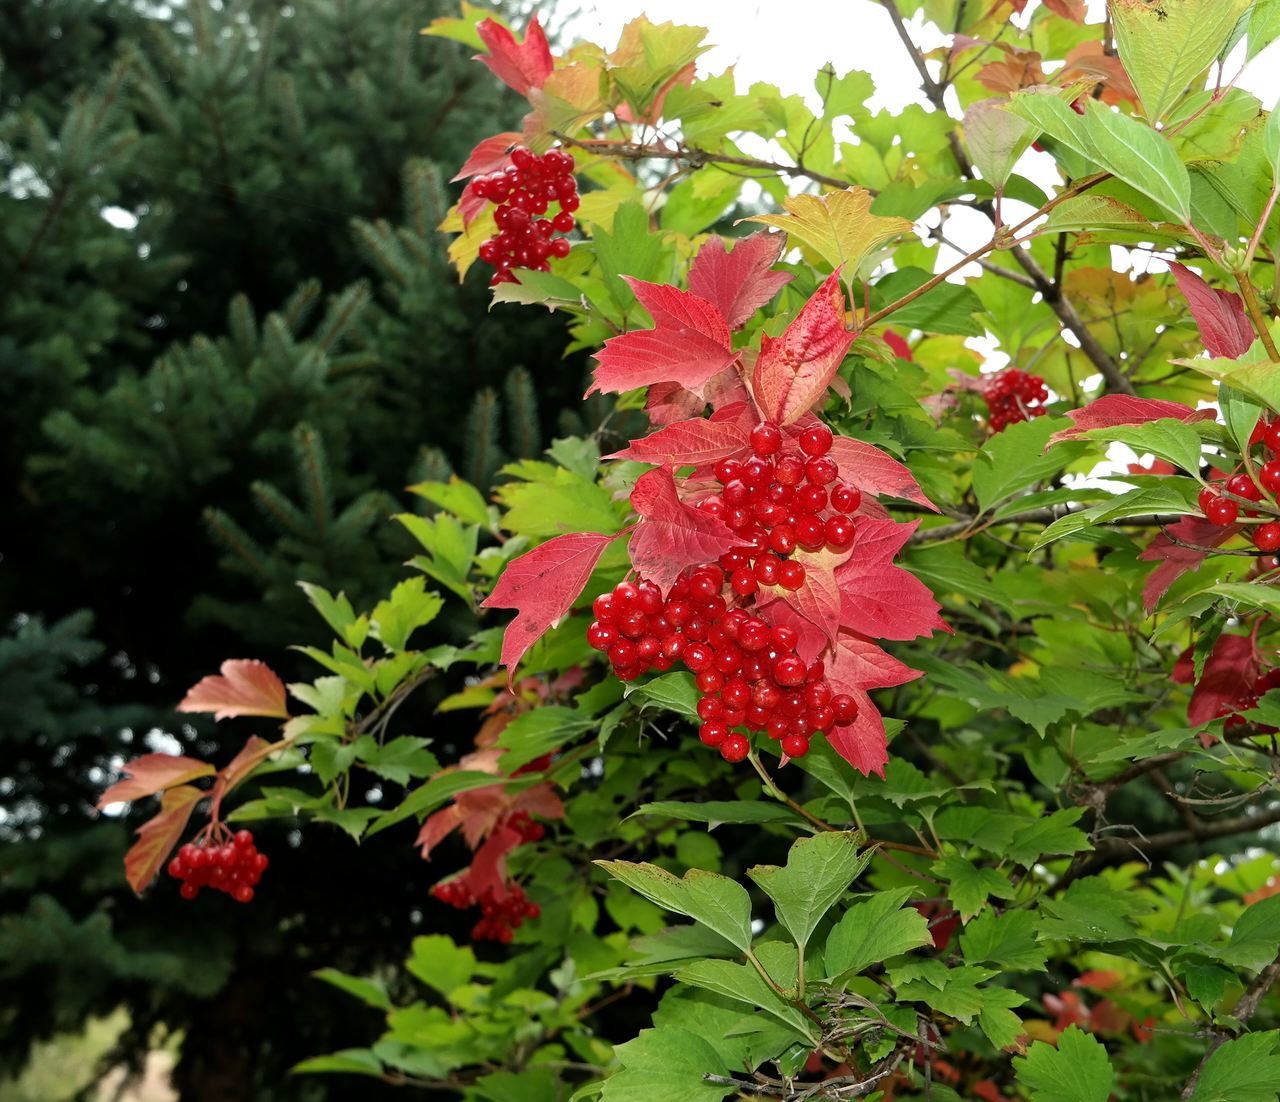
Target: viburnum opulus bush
852,733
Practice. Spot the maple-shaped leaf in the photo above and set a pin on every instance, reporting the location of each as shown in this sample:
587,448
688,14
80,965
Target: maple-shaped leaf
819,599
793,371
668,402
491,155
687,443
811,639
689,343
873,472
862,743
858,663
879,599
542,585
1229,679
245,687
150,773
1112,410
673,536
738,283
158,836
838,226
1219,315
1175,558
519,65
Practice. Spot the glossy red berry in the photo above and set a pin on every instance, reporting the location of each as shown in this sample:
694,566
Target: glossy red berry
1269,476
841,531
1266,537
845,499
844,708
791,574
795,746
735,748
714,733
1221,511
1242,486
816,441
821,471
766,439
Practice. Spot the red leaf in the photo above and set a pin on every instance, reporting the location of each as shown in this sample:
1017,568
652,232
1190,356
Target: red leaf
687,443
1121,409
254,752
819,599
151,773
858,663
672,536
1219,315
437,827
542,585
489,866
519,65
862,743
689,344
1174,559
871,471
1229,678
900,347
781,613
246,687
491,155
1075,10
793,371
738,283
880,599
158,836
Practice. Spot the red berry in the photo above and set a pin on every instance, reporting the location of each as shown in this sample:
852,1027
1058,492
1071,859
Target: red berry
844,708
714,733
1271,438
795,746
766,439
698,656
816,441
784,638
743,582
189,891
840,531
735,748
1221,511
789,671
783,539
768,570
845,499
1269,476
811,533
791,574
1242,486
727,470
821,471
1266,537
789,470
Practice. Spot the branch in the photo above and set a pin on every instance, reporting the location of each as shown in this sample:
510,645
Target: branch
932,89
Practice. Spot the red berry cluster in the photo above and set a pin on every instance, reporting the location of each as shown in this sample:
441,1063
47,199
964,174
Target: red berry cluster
499,918
523,191
1014,396
747,670
780,499
1220,503
529,829
233,867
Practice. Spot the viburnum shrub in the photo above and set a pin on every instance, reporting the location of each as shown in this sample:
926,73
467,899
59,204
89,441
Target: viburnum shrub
836,736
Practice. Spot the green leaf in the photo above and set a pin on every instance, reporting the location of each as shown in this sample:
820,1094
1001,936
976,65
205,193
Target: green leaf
456,496
715,812
431,795
1174,496
539,289
1007,940
1244,1070
1166,46
871,932
666,1065
1015,458
351,1061
337,613
996,138
1240,414
948,308
716,901
743,983
1175,441
1248,594
628,248
950,991
439,963
401,759
409,608
968,886
1255,938
676,692
370,992
996,1018
1051,834
1091,910
819,870
539,731
1077,1070
1264,26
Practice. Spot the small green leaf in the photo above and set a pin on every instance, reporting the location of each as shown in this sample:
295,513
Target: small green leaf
409,608
1175,441
996,1018
458,497
675,692
1007,940
1077,1070
370,992
819,870
1244,1070
1255,938
351,1061
873,931
431,795
666,1064
716,901
1016,458
715,812
441,964
969,886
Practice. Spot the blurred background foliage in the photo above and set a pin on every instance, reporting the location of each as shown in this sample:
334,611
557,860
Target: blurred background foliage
229,337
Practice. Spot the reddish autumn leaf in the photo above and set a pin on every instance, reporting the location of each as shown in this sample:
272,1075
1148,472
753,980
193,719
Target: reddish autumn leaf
519,65
1075,10
860,664
873,472
812,640
491,155
689,344
480,811
1175,558
862,743
158,836
879,599
687,443
900,347
542,585
1098,979
488,870
672,536
793,371
1122,409
1219,315
818,599
254,752
246,687
683,78
437,827
738,283
151,773
1228,681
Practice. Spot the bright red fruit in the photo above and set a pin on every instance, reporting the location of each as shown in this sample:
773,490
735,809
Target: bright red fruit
1266,537
766,439
1269,476
735,748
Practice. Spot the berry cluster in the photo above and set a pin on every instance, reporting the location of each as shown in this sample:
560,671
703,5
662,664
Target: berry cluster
1221,503
748,672
778,500
1012,396
529,829
499,917
523,191
233,867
